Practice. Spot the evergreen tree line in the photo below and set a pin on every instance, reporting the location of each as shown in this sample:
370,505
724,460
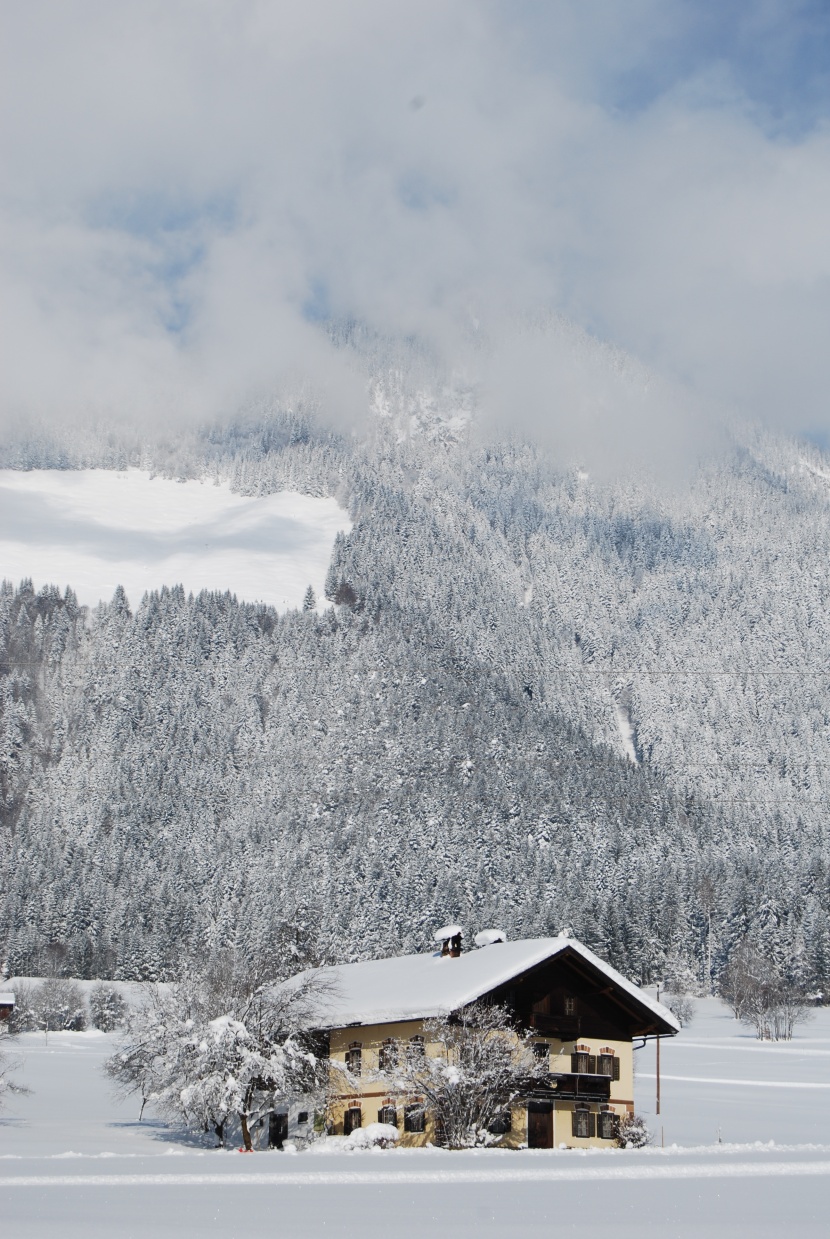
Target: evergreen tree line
197,775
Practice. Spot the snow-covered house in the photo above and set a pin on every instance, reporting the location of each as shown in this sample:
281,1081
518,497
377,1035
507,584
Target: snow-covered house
585,1017
6,1006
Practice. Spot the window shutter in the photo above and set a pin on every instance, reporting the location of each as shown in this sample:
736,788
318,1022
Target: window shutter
616,1067
592,1064
574,1122
592,1125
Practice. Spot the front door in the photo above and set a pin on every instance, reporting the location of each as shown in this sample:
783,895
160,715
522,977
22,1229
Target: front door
540,1125
277,1130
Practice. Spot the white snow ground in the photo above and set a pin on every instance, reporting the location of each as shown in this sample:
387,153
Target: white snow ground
75,1161
95,529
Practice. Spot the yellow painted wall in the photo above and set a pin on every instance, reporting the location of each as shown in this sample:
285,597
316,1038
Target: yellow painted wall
370,1095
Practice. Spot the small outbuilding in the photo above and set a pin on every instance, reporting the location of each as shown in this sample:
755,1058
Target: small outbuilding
6,1006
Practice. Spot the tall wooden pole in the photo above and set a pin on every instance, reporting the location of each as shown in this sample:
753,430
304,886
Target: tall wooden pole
658,1061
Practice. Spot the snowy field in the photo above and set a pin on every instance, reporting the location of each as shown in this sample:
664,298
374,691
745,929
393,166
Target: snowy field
75,1161
95,529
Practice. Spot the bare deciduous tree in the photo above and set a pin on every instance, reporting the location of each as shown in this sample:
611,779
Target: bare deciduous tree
759,995
56,1005
681,1006
480,1064
7,1083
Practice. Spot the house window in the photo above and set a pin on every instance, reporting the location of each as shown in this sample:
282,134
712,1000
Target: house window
388,1114
583,1123
354,1058
608,1065
352,1119
583,1064
414,1118
607,1125
417,1049
302,1117
570,1004
542,1051
501,1124
388,1055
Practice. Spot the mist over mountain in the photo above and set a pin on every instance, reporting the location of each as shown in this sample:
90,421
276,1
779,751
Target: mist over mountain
535,699
537,294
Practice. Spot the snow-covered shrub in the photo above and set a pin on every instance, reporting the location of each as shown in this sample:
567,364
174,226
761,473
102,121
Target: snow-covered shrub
681,1006
107,1008
632,1132
374,1136
24,1016
60,1006
53,1006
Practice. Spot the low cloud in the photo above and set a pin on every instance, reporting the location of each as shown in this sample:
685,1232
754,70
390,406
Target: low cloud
193,187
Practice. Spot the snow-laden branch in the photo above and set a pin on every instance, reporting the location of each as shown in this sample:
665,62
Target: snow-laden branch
202,1069
471,1067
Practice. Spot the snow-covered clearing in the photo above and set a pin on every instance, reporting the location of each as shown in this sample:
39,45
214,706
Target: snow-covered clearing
95,529
75,1160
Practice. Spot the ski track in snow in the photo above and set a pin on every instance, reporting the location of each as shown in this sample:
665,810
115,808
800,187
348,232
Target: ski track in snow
369,1178
811,1084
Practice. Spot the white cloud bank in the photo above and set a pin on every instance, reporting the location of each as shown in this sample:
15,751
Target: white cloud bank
95,529
189,186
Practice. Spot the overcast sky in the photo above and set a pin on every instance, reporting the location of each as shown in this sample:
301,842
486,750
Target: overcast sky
189,188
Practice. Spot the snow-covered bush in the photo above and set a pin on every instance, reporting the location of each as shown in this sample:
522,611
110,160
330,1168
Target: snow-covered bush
374,1136
632,1132
681,1006
24,1016
61,1007
107,1007
53,1006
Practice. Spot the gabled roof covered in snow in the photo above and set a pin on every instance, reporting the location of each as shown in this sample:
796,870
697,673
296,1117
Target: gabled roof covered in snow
411,987
6,1000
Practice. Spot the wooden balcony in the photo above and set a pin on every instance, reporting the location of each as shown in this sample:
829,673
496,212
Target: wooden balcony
565,1027
571,1087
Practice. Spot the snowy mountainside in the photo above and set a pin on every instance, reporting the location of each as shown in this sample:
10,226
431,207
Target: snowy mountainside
447,737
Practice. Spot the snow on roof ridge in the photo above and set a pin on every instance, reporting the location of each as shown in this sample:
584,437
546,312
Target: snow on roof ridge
408,987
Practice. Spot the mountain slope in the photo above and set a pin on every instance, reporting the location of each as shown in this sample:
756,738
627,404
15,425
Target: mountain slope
446,739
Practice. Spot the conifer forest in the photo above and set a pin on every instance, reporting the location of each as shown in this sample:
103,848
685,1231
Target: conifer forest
530,699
